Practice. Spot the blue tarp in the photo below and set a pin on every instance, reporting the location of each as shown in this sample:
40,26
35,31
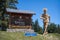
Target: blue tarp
30,34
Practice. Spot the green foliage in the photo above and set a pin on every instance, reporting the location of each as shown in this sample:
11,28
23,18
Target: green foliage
58,29
11,4
2,13
36,27
54,28
3,5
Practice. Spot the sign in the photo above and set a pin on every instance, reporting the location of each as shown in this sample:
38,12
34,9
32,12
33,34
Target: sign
30,34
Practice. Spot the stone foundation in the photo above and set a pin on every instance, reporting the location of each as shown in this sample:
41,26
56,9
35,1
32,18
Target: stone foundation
20,30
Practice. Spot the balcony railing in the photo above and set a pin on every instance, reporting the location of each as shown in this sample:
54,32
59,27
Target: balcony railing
19,27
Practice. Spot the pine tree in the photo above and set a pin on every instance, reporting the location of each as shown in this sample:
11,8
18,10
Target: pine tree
52,28
11,4
36,27
58,29
3,5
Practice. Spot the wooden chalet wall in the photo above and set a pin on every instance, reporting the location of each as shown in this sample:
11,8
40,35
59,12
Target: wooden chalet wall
20,20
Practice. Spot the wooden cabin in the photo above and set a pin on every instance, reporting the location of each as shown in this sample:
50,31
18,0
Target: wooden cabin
19,19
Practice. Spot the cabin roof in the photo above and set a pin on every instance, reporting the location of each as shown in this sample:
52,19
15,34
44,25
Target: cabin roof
18,11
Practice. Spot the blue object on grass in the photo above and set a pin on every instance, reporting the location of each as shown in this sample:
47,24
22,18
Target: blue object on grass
30,34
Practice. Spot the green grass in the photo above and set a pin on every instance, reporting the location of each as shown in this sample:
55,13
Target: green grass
20,36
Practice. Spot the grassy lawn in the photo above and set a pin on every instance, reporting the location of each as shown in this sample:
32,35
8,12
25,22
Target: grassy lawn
21,36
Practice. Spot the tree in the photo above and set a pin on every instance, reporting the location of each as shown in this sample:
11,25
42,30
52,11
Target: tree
52,28
36,27
3,5
11,4
58,29
2,11
7,4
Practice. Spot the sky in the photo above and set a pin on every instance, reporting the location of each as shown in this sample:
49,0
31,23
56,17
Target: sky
53,9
